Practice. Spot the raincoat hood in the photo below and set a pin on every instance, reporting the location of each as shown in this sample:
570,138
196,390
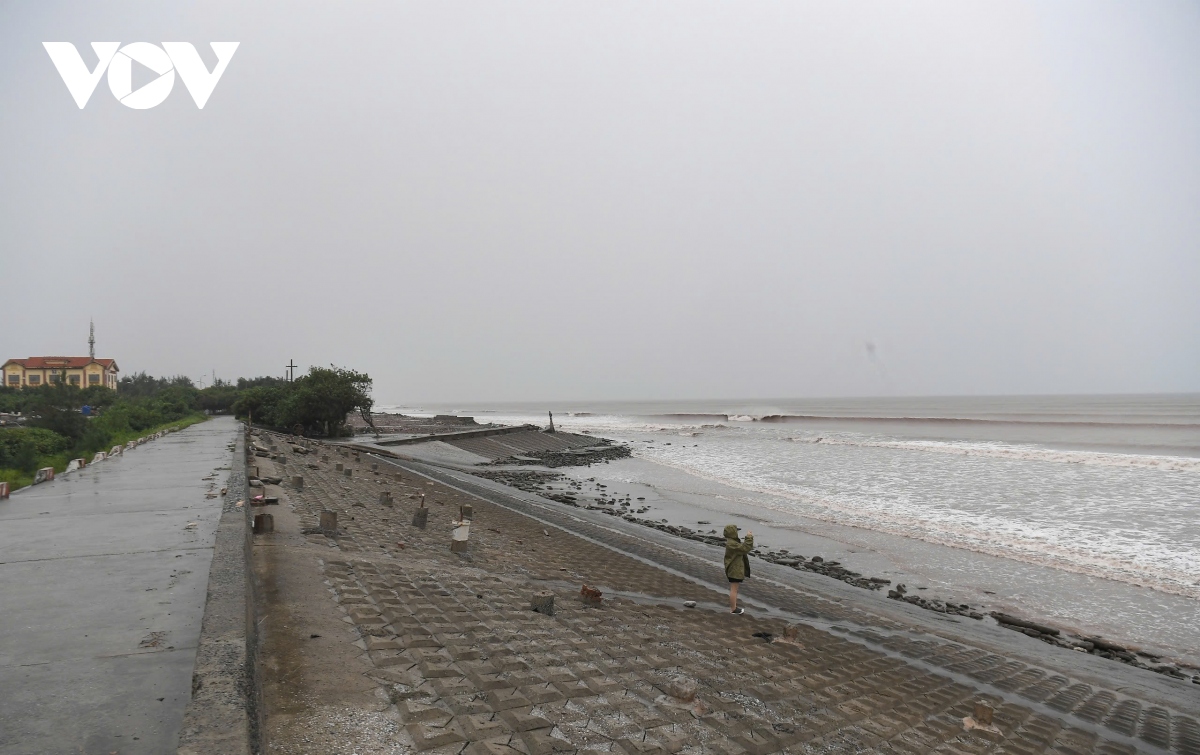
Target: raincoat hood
731,532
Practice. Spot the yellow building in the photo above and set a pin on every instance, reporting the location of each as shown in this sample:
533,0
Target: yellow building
81,372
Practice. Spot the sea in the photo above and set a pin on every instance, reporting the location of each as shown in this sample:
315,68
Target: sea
1081,511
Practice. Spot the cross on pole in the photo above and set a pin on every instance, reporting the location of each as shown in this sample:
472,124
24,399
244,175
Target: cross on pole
291,365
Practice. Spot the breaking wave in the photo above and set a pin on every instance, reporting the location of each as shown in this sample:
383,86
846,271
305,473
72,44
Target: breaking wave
1017,453
1142,563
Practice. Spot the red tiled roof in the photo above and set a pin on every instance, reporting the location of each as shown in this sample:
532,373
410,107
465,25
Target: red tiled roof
45,363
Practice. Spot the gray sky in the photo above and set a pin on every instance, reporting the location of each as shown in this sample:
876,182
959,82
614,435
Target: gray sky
519,201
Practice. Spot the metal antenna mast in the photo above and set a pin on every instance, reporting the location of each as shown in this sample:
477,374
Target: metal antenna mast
92,338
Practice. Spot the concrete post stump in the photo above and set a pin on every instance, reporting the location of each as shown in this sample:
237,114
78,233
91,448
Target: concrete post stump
460,536
328,521
982,714
340,466
420,518
543,603
298,482
348,472
263,523
385,498
467,512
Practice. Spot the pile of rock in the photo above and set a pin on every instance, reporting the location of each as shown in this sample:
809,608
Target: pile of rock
572,457
530,481
1095,646
933,604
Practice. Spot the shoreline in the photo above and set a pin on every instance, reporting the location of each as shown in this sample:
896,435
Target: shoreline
542,482
942,578
383,637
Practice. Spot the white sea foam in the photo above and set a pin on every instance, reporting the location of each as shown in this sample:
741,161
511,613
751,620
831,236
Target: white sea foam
1143,560
1008,451
1123,517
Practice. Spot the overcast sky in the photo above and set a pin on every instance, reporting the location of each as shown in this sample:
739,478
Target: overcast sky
582,200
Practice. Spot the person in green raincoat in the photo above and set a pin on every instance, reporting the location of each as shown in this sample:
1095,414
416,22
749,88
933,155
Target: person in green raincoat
737,562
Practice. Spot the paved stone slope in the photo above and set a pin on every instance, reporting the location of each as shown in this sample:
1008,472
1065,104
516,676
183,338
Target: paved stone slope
463,666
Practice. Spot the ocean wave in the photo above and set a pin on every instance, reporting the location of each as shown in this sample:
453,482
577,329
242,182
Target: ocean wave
1039,422
1018,453
1148,567
681,417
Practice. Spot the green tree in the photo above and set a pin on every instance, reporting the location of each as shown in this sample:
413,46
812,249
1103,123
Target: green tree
56,408
39,442
14,400
324,397
247,383
142,385
259,404
217,398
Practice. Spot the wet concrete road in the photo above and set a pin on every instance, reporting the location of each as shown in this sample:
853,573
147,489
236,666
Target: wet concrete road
103,579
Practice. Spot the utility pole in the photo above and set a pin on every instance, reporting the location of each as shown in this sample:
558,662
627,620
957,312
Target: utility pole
291,365
91,338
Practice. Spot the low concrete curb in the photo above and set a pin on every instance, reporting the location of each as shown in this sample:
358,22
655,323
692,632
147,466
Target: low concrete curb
224,713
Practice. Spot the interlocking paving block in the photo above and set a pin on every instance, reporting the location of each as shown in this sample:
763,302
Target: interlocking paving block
601,685
467,705
411,640
386,659
427,737
540,694
1043,689
521,719
1156,728
574,688
544,742
757,742
497,746
488,681
587,671
367,619
557,674
1124,717
465,654
482,726
639,746
1187,735
1026,678
412,712
384,643
451,685
507,698
438,669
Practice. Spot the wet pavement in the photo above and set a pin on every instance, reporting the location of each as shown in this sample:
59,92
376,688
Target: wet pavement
104,575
